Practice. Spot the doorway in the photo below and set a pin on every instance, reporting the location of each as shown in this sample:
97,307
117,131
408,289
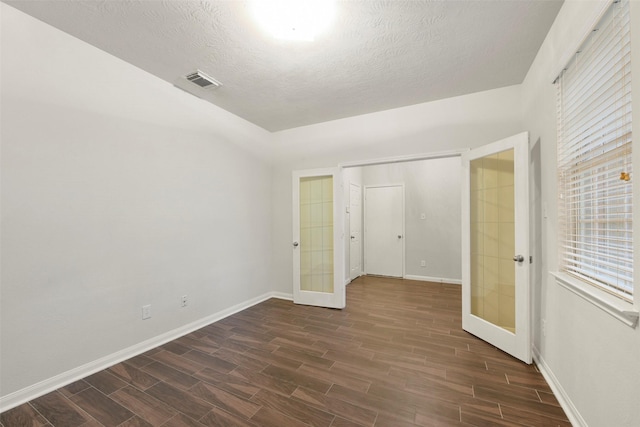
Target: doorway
355,231
511,336
431,232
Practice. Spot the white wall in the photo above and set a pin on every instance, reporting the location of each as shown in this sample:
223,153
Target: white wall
450,124
592,356
118,190
432,187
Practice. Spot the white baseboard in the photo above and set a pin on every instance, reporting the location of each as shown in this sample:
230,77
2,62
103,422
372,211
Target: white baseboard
433,279
569,408
39,389
348,280
280,295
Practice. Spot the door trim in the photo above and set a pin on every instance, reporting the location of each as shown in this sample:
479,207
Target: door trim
400,159
364,222
361,241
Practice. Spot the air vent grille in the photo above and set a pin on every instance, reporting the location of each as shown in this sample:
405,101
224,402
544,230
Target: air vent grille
201,79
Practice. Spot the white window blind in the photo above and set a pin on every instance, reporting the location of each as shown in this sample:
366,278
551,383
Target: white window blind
594,158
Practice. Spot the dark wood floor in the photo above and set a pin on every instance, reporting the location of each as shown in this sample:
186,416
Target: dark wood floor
396,356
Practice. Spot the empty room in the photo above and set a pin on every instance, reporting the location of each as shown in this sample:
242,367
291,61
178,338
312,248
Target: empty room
319,213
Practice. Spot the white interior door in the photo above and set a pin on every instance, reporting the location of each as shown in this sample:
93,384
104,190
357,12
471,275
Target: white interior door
495,245
384,230
355,228
318,260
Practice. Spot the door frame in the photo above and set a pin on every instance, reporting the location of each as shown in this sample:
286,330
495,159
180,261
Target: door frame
337,299
340,198
364,224
361,272
518,345
397,159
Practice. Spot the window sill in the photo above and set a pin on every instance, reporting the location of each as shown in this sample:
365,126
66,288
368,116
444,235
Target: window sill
621,310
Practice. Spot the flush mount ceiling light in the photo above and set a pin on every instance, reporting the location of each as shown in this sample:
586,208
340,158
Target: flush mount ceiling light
294,19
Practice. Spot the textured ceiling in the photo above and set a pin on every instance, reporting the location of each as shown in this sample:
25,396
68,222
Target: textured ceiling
377,55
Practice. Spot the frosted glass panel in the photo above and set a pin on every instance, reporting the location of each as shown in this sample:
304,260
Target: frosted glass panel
316,234
493,239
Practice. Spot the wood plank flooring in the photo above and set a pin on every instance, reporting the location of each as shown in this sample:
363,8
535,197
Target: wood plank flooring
396,356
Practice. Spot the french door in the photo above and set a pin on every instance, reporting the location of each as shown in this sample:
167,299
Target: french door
318,258
495,245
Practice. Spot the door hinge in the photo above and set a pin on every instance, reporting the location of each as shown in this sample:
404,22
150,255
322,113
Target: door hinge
530,259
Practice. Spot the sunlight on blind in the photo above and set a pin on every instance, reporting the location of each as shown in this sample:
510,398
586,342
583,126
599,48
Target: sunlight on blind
594,158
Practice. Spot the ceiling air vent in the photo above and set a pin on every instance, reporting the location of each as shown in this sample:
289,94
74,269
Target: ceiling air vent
201,79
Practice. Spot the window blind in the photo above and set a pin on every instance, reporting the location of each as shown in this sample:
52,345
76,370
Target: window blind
594,157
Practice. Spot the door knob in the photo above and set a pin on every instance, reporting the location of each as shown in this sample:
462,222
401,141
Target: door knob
518,258
353,237
399,236
295,244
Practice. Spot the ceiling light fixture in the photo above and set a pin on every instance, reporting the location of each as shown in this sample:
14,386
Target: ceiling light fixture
294,19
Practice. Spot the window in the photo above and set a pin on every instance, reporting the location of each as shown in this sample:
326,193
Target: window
594,158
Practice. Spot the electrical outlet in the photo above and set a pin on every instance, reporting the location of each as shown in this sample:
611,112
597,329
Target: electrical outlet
183,301
423,216
423,263
146,311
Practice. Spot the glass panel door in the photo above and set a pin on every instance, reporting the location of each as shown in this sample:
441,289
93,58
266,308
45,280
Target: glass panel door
493,239
317,237
316,234
495,245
